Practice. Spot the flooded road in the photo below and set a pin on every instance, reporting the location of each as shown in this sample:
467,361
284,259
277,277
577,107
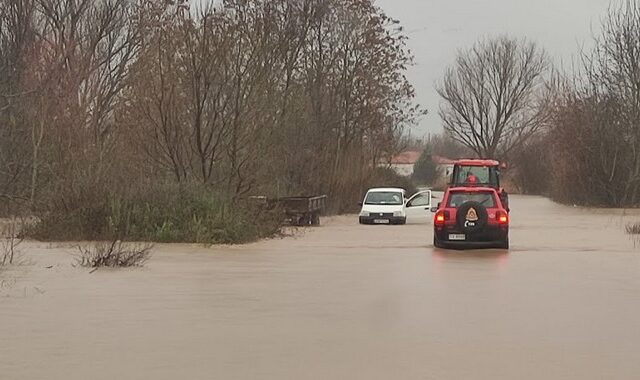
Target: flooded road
342,301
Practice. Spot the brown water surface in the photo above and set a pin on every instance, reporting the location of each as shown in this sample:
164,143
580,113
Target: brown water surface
342,301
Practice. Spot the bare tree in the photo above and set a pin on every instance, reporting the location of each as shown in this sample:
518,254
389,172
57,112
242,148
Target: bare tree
154,112
72,71
491,95
102,101
207,84
17,36
613,73
594,129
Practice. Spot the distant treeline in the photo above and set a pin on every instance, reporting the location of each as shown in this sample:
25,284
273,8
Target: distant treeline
588,151
573,135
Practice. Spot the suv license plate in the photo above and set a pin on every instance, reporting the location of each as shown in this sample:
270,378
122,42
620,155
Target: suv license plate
457,237
381,221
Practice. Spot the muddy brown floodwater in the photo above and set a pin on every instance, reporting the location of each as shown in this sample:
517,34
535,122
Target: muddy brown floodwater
342,301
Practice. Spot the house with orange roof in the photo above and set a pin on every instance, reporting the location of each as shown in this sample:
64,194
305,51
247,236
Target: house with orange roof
404,163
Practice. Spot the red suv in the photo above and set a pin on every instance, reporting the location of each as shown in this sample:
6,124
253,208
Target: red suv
471,216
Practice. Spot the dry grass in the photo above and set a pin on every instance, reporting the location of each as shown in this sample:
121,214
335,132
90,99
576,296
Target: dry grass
633,228
11,240
114,254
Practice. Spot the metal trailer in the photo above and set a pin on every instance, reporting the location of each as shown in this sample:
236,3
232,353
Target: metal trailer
301,211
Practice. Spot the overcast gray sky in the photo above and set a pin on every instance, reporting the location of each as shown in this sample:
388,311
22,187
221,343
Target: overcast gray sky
438,28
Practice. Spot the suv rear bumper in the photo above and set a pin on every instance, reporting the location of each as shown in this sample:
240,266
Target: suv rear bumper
472,244
490,236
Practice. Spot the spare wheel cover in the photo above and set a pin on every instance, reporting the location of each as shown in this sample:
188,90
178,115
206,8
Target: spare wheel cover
471,217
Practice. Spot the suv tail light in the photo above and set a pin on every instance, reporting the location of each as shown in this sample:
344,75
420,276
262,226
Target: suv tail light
441,217
502,217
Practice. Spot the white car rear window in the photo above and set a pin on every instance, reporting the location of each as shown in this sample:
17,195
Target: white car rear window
384,198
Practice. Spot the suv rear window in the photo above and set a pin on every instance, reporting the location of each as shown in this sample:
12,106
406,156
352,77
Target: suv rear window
458,198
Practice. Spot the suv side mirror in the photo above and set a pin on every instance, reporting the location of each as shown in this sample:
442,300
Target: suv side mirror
360,204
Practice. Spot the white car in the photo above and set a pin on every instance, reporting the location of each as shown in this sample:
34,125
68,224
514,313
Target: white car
391,206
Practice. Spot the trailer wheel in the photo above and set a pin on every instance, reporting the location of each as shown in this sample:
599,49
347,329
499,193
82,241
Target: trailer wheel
304,220
315,219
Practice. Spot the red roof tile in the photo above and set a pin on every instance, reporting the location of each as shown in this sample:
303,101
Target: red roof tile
406,158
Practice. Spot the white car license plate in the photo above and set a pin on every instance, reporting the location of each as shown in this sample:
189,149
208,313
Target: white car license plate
457,237
381,221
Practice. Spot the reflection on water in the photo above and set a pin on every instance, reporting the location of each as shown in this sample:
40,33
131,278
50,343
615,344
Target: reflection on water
480,260
476,254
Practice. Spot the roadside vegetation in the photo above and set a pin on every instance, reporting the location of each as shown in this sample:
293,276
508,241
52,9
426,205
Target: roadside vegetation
593,136
12,226
10,241
426,171
573,136
114,254
140,120
633,229
161,214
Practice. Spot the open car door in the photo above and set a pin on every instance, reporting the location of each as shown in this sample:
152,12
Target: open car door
418,208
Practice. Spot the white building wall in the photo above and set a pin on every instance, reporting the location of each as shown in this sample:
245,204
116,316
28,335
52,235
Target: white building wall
405,170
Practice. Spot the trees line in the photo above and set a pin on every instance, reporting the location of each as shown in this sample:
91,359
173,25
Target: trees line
574,136
103,98
117,98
